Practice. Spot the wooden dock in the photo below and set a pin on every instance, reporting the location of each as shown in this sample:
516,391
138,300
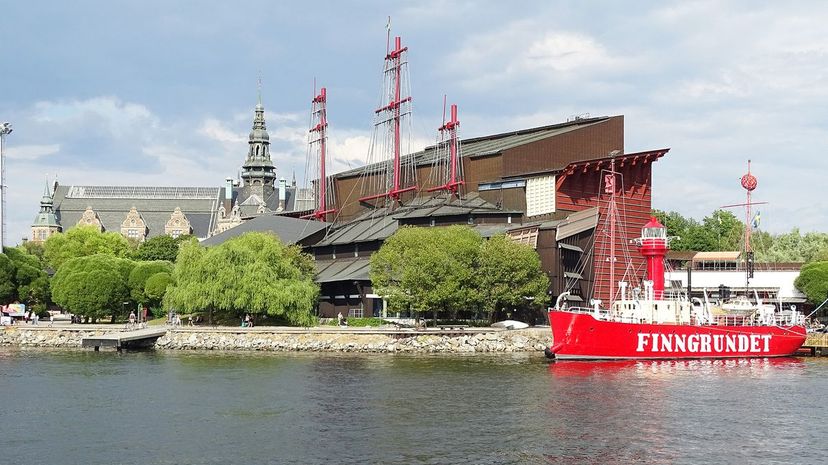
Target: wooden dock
125,339
816,343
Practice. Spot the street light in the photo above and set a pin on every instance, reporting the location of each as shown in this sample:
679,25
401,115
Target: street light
5,128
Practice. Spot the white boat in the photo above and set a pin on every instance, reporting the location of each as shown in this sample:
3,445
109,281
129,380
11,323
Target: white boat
510,324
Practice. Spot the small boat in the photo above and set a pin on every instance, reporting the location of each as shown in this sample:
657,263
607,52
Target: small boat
510,324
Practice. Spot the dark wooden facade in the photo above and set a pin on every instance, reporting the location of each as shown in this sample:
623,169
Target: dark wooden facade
578,155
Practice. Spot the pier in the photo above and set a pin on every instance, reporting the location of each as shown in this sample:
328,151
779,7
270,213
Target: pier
125,339
816,343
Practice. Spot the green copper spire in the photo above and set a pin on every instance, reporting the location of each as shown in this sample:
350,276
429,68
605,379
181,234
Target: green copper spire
46,217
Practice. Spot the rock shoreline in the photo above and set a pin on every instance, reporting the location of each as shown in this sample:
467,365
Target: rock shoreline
300,340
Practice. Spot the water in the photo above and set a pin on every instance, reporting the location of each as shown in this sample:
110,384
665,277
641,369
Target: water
82,407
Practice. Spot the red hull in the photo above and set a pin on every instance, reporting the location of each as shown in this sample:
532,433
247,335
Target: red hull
581,336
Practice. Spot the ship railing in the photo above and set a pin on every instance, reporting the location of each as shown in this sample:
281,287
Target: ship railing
600,315
605,315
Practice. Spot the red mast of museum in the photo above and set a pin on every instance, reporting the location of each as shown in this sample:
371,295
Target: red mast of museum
397,106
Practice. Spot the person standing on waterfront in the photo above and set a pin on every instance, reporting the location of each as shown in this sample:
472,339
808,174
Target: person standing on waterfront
131,319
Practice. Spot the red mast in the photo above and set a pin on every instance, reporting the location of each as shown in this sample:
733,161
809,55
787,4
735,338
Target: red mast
449,131
749,183
393,112
319,114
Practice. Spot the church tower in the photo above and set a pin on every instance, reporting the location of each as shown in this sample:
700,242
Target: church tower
45,223
258,171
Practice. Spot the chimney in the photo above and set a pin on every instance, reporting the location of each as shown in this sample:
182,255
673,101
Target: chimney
282,193
228,194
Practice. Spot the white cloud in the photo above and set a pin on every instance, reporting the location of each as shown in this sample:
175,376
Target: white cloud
522,51
31,152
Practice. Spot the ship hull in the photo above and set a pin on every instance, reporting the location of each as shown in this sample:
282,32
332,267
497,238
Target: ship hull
579,336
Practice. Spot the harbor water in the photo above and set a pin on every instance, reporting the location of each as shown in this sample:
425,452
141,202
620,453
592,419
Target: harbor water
83,407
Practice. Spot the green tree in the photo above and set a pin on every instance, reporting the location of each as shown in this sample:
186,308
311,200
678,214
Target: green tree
161,248
510,275
155,288
8,286
813,281
428,269
139,275
83,241
93,286
30,281
723,231
253,273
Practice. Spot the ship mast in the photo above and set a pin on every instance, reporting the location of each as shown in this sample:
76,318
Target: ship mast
398,105
448,135
609,183
319,138
749,183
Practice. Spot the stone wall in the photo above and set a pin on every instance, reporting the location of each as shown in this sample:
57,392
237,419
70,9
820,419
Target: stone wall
319,340
528,340
44,336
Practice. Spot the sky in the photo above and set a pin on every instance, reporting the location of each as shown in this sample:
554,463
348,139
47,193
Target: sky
159,92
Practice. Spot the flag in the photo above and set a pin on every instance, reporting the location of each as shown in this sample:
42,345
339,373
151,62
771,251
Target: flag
756,219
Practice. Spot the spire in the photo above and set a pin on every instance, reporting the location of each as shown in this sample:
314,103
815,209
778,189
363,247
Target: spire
258,170
45,223
47,194
259,104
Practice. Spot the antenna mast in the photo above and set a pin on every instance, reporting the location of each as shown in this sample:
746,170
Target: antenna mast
319,139
749,183
391,113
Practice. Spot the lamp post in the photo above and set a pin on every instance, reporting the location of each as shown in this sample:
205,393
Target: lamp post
5,128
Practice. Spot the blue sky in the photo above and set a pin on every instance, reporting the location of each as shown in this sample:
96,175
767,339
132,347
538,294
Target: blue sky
162,92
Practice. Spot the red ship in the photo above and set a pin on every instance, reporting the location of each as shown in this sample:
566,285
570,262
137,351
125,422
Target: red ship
645,324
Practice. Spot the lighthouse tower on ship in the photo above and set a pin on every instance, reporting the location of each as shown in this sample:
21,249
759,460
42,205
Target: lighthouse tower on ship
654,244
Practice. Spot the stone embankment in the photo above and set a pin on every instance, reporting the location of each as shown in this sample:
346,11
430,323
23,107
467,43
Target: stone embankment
297,339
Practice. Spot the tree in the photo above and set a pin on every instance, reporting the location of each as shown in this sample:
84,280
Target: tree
32,283
139,276
428,269
8,287
813,281
510,275
161,248
155,288
253,273
83,241
93,286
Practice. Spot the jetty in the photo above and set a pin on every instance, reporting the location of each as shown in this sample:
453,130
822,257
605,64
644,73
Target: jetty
125,339
816,343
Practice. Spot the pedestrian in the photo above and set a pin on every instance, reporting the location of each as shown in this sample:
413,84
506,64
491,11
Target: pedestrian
246,320
131,319
340,319
51,319
35,318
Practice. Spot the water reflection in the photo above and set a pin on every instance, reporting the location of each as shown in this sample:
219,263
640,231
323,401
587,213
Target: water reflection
216,408
614,368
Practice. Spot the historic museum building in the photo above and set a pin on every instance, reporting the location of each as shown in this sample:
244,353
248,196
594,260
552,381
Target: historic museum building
542,186
141,212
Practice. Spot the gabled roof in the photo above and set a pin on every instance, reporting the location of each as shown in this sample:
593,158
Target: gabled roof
155,205
343,269
289,230
381,223
496,143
